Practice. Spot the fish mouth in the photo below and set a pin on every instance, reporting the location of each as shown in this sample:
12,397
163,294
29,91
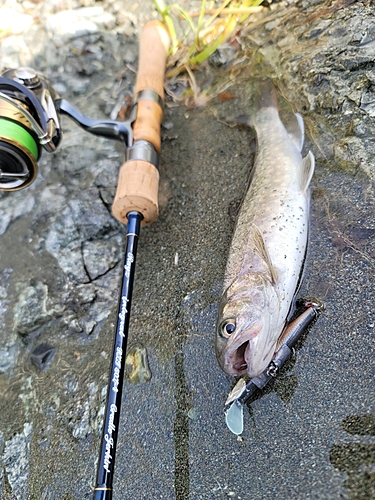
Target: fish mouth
245,357
238,356
239,362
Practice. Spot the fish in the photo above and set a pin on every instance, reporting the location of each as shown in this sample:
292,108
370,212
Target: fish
269,243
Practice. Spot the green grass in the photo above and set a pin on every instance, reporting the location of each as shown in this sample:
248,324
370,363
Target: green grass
203,32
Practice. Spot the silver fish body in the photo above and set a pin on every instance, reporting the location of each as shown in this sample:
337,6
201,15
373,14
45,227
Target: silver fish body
268,246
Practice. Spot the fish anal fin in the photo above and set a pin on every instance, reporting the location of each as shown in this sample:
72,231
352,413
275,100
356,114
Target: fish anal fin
260,248
305,171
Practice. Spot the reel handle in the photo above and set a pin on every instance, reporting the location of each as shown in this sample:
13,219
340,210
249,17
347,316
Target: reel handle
138,183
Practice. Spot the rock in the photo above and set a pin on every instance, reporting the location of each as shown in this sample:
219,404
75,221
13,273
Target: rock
47,494
12,21
84,220
17,462
91,217
84,421
368,101
1,468
12,206
4,222
4,284
14,52
78,85
8,357
89,327
100,256
86,294
329,73
69,24
30,312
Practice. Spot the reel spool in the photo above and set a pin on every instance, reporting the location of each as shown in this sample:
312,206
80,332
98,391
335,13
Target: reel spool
19,149
28,121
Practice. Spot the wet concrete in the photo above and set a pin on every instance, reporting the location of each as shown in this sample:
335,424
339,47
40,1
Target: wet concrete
312,434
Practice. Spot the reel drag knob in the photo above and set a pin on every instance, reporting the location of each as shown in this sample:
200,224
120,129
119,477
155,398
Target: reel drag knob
27,76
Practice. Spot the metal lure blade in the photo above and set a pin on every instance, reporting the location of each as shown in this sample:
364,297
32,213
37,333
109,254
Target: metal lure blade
236,392
234,418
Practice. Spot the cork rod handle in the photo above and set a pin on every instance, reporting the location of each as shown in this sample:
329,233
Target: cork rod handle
153,48
154,45
138,184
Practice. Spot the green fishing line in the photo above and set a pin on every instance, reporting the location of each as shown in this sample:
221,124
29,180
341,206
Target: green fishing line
11,130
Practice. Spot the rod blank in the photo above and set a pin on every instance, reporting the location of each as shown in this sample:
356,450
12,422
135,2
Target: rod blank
104,480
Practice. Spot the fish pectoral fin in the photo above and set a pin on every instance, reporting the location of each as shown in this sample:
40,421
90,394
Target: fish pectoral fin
305,171
262,251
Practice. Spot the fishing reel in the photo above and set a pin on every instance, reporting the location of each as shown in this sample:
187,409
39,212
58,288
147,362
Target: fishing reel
30,110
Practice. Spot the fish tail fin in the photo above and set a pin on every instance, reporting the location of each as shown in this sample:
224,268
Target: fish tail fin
260,94
266,98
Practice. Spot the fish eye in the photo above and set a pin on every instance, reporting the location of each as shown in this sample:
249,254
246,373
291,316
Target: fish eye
228,327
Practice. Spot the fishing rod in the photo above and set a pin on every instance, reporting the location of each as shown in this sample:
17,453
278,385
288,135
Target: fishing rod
136,203
30,111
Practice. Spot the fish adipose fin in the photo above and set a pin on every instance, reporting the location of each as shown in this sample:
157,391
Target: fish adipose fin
261,250
305,171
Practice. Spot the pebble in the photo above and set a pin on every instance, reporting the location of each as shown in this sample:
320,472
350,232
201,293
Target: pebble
167,125
42,356
138,366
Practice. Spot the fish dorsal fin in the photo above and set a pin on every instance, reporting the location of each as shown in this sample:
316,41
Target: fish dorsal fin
296,129
261,250
305,171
